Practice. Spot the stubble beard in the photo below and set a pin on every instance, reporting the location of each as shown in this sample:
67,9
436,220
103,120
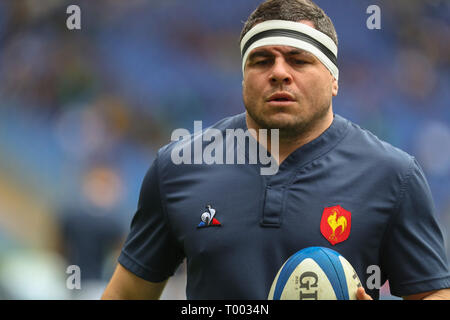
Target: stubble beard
297,127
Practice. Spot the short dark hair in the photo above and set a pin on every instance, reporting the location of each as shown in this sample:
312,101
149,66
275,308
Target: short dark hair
291,10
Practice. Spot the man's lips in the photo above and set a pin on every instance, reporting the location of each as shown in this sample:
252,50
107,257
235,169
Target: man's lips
280,97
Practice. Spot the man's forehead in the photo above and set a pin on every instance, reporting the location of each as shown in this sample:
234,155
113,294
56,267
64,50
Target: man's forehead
286,50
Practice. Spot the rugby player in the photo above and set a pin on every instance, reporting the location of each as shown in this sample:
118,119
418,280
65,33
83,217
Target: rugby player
337,185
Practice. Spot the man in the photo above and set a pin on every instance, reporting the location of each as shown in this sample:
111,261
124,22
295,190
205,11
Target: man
236,227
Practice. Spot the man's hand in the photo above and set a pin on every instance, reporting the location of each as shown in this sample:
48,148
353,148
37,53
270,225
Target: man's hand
362,295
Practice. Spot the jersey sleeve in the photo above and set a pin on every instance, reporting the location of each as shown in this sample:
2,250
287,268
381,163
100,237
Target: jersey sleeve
413,256
150,250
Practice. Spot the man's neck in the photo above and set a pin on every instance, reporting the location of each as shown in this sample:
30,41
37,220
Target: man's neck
287,145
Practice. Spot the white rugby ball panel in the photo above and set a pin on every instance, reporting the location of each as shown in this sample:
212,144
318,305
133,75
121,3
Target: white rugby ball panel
316,273
308,285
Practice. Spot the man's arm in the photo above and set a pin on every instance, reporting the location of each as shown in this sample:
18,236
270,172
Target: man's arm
442,294
124,285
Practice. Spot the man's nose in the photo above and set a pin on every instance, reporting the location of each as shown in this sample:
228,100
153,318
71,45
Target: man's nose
280,72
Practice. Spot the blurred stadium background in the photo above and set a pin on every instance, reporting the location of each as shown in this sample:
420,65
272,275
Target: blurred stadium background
83,112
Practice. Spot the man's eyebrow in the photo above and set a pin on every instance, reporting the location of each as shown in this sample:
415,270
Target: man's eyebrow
267,54
295,52
259,53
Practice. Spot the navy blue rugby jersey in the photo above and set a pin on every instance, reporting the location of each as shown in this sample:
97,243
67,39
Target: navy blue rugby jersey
346,190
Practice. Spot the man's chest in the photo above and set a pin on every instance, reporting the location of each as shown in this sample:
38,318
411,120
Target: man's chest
289,212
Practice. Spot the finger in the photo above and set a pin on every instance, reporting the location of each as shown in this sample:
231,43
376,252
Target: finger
362,295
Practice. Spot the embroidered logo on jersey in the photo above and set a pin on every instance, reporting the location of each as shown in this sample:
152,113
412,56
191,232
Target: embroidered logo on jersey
335,224
208,219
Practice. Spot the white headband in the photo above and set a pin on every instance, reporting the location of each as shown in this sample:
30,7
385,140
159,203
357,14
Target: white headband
294,34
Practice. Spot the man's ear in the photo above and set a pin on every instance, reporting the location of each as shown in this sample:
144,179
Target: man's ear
334,87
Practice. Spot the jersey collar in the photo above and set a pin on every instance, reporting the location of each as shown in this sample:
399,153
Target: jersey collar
313,149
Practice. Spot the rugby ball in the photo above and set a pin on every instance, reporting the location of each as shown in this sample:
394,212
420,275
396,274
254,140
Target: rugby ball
315,273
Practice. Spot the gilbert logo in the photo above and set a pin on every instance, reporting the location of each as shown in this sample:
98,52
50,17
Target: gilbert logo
335,224
208,219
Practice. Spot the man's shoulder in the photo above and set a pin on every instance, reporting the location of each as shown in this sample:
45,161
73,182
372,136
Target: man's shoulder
369,148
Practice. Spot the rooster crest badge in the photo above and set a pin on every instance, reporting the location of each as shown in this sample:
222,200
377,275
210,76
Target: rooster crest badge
335,224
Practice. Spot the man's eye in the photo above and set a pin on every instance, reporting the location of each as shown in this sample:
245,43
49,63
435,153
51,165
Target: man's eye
261,62
300,62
